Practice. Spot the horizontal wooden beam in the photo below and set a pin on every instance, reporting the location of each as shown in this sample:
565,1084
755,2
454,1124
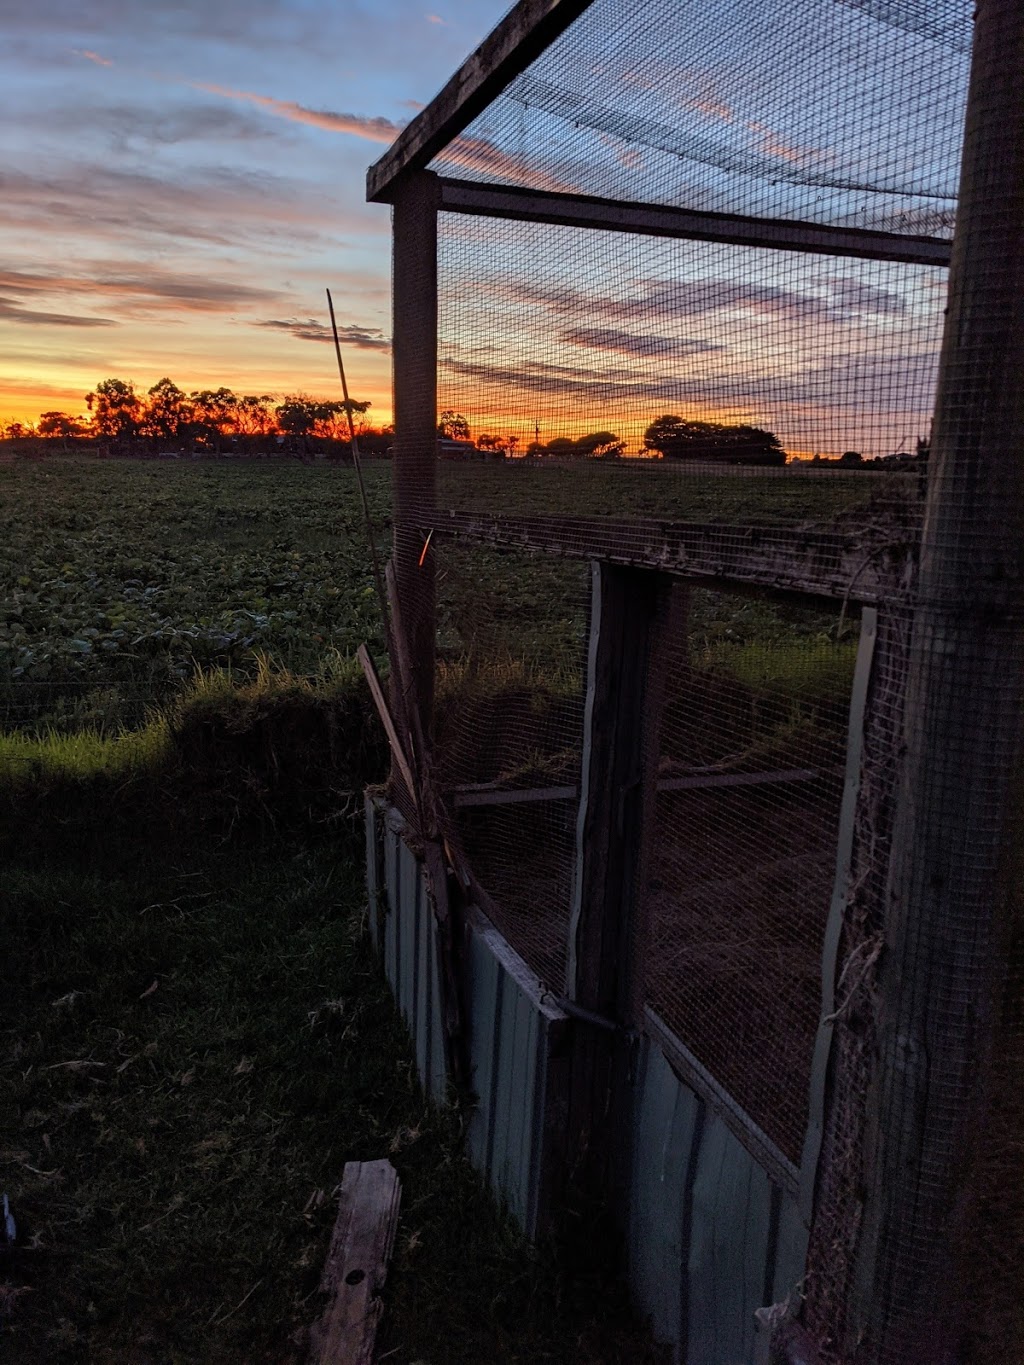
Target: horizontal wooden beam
489,796
870,566
656,220
521,36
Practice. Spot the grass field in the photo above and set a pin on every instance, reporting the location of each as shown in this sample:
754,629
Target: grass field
118,578
195,1037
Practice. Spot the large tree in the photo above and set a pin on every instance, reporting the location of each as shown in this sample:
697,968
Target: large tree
168,411
59,424
214,412
677,438
301,415
116,409
452,426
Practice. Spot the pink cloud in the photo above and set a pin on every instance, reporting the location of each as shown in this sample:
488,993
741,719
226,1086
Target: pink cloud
358,125
92,56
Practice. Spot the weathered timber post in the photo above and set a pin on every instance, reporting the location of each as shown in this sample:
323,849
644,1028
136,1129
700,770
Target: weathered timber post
414,475
631,611
944,1107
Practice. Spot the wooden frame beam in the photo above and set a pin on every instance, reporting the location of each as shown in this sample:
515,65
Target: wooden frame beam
521,36
630,626
808,563
658,220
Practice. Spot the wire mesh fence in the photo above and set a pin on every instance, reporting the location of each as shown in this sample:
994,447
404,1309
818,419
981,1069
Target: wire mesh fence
511,651
753,742
692,298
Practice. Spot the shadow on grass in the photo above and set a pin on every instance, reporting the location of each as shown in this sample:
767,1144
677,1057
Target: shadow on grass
196,1039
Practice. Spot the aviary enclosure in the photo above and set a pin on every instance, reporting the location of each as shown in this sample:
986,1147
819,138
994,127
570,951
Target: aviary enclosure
699,867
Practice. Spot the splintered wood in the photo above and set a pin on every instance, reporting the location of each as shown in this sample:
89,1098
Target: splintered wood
357,1265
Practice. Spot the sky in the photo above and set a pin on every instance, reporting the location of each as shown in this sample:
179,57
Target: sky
182,178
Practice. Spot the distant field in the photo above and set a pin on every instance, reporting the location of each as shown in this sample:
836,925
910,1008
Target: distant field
118,579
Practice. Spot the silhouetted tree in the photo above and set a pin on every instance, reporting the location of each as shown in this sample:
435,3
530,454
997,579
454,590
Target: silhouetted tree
59,424
116,409
168,412
600,445
676,438
452,426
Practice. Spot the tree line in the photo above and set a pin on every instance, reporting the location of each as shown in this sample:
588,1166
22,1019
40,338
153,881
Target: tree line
668,436
166,414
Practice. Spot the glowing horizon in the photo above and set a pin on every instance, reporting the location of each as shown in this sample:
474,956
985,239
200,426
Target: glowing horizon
178,192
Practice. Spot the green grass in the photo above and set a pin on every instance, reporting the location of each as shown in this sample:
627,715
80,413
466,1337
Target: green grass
119,578
196,1038
194,1048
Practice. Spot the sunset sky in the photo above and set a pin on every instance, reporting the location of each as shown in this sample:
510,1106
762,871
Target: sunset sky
182,179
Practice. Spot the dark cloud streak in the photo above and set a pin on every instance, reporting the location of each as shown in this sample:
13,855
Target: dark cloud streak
11,311
361,338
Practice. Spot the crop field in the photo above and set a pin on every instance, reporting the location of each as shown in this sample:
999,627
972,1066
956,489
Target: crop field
118,580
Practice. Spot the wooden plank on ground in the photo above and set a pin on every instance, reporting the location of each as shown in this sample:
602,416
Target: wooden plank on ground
357,1265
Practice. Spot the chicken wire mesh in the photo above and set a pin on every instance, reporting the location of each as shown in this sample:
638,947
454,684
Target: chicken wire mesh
605,389
753,743
511,659
845,112
655,367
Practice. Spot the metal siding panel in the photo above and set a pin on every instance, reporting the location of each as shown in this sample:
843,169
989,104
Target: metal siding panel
505,1105
391,842
409,880
372,871
718,1333
523,1115
758,1252
538,1127
790,1250
484,994
438,1066
665,1113
421,1026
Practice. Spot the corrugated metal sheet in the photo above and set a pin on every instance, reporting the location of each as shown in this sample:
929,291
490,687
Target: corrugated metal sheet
516,1051
516,1038
403,933
711,1235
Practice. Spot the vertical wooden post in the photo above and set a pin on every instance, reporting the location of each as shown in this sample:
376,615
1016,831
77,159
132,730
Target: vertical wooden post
947,1013
630,612
414,476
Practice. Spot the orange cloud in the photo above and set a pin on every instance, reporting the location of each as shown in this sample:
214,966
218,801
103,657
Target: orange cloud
771,144
373,129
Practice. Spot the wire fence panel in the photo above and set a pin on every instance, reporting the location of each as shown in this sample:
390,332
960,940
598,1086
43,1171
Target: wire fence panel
846,112
750,781
511,651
